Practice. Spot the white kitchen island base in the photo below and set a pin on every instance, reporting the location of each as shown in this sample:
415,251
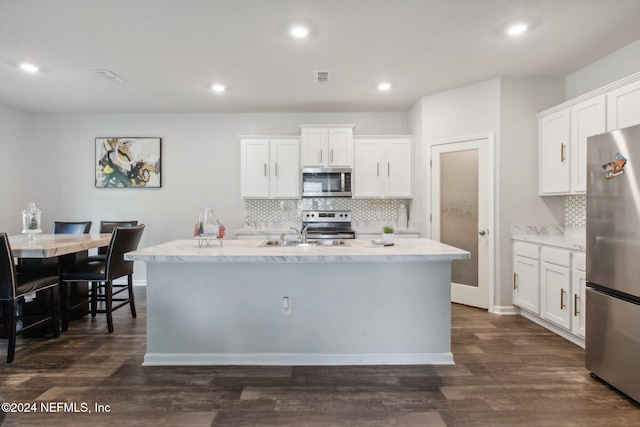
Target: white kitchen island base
351,309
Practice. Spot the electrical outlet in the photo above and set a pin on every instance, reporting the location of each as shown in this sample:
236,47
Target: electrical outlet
286,306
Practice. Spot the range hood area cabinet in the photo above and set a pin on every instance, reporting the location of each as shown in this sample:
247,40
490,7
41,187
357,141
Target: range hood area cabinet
383,167
270,168
564,129
327,145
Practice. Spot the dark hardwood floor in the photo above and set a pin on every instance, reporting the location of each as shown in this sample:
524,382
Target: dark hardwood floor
508,372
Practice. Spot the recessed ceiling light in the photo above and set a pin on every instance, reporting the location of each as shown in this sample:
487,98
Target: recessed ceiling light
217,87
29,68
299,32
517,29
384,86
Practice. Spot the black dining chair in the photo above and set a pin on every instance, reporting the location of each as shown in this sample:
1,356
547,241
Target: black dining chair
107,227
13,287
61,227
102,275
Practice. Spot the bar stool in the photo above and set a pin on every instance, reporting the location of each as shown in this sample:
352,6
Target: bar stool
102,274
107,227
61,227
13,287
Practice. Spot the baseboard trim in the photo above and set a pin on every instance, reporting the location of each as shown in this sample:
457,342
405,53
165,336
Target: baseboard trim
506,310
270,359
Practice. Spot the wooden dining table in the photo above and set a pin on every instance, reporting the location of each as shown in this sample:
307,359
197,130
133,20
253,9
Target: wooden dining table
54,254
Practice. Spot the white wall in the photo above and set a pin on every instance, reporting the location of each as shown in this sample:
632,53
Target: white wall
460,112
611,68
517,197
18,170
200,166
505,107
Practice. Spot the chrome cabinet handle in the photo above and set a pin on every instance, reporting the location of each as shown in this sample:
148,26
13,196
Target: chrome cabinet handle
515,277
575,305
265,169
562,159
562,304
320,156
377,169
276,168
388,169
332,155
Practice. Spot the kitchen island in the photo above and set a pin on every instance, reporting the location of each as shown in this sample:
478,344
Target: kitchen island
240,304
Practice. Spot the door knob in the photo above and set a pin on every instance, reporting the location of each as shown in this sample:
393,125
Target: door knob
483,232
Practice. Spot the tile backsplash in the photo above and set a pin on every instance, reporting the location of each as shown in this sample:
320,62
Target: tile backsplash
291,210
575,211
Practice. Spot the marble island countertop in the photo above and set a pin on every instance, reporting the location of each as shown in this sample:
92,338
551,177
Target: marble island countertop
275,228
562,237
404,250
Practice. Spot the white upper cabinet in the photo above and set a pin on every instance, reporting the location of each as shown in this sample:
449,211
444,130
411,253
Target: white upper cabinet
587,119
327,146
555,170
254,168
270,168
564,129
623,107
383,168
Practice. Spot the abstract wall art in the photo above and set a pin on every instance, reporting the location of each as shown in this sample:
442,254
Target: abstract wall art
128,162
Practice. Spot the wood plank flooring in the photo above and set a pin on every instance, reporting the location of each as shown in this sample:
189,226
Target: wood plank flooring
508,372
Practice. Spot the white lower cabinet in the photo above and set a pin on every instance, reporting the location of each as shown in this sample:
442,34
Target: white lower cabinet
555,286
549,285
578,286
526,276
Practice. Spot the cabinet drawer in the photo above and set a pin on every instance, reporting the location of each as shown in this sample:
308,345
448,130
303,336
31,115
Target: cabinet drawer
526,249
556,256
579,261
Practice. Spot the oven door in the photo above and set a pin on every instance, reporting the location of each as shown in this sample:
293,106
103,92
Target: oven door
326,182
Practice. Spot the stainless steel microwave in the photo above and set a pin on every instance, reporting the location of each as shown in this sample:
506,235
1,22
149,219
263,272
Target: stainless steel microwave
326,182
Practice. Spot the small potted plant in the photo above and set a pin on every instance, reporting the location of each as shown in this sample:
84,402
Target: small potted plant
387,235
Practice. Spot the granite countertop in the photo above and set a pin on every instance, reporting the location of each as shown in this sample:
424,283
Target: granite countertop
562,237
404,250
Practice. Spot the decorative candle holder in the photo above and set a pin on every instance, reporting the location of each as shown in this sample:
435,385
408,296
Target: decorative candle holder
31,220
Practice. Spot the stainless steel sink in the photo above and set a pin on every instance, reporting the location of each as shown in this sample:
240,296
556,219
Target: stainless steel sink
329,242
300,244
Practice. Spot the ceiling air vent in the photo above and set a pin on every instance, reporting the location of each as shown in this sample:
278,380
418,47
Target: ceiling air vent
110,75
322,76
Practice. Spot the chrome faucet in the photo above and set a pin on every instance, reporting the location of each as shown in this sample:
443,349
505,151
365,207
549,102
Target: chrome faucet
302,234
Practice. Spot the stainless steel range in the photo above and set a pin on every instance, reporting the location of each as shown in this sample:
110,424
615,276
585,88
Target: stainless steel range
328,224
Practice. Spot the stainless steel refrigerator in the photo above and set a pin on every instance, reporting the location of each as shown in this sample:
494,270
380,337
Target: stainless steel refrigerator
613,259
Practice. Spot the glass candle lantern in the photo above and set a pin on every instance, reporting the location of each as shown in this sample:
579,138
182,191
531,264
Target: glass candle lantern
207,225
31,220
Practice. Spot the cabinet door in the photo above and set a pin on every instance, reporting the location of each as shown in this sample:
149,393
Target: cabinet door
396,168
555,172
340,147
587,119
526,283
254,168
314,147
555,286
285,168
623,107
578,291
366,169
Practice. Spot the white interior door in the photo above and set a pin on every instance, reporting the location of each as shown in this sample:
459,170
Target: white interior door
460,213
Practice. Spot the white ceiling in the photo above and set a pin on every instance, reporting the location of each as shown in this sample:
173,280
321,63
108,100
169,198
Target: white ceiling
171,51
